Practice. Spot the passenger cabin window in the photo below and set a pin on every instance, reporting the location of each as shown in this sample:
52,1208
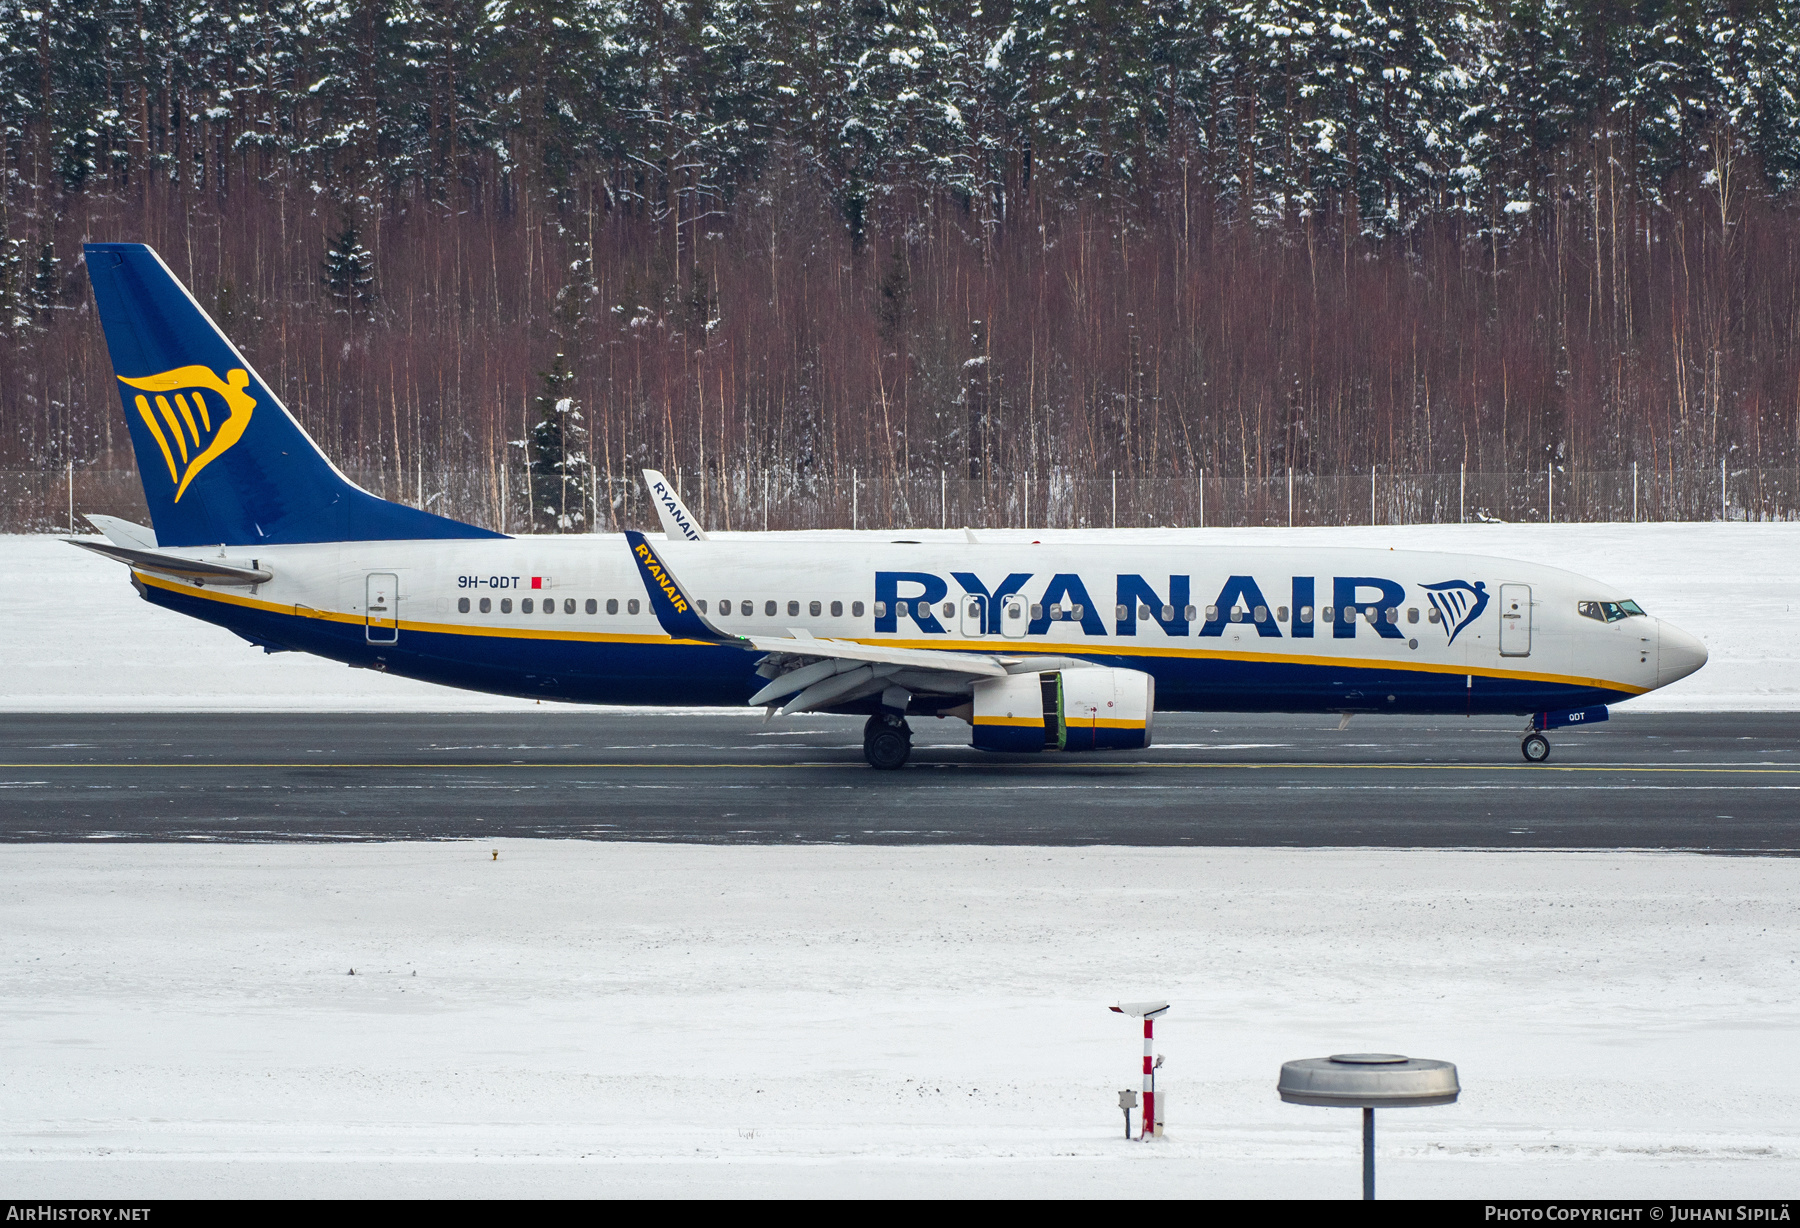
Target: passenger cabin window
949,609
1327,613
793,609
1306,614
880,609
568,605
702,604
1237,614
1190,613
1280,613
462,605
486,605
1262,613
837,609
1393,614
525,606
593,607
814,609
1412,614
769,609
1212,613
631,607
612,605
1432,616
506,605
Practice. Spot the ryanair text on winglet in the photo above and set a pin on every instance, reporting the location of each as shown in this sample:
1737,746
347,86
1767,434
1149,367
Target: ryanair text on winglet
676,512
654,566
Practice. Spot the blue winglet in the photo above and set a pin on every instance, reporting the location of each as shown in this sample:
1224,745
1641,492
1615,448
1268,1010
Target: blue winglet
677,614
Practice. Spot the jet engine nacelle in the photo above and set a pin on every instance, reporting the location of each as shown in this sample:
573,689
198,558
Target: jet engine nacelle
1072,710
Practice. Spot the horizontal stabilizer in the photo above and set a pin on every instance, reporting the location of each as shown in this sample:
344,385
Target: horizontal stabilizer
204,571
123,532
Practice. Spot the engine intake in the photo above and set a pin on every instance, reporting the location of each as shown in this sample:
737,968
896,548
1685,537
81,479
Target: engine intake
1068,710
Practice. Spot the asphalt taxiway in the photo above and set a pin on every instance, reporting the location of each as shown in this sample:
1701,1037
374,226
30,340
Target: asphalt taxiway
1728,782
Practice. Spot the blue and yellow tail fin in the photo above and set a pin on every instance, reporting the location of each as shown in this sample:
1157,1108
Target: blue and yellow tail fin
221,459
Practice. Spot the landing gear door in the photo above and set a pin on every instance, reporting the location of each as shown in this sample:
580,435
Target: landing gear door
974,615
381,613
1515,620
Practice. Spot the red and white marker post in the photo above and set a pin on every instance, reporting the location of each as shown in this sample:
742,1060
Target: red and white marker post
1147,1011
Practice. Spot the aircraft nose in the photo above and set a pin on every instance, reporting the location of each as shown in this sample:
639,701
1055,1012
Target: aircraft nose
1678,654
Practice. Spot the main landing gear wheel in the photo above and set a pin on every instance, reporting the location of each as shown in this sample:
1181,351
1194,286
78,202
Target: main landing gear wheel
887,742
1535,748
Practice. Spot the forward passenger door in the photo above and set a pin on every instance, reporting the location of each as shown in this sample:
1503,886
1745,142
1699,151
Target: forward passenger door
1515,620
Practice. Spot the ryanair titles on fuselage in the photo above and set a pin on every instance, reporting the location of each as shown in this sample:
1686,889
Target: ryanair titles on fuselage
1456,604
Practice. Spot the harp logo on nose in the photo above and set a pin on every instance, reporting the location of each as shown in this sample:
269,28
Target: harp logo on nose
1458,603
194,416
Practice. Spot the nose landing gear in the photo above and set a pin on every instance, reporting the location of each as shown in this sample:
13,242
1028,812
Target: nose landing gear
887,741
1535,747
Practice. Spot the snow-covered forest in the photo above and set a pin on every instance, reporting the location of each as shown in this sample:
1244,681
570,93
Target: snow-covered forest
865,252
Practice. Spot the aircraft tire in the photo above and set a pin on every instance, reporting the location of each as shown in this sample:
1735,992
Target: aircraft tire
1535,748
887,748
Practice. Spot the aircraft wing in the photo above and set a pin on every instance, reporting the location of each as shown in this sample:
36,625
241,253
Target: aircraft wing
975,664
816,673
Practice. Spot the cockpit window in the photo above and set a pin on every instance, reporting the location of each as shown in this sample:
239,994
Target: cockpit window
1608,611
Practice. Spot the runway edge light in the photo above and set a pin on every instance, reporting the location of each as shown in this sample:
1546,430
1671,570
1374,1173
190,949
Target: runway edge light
1150,1122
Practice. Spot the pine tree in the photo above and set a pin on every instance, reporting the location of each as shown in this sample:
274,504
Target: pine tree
350,271
556,455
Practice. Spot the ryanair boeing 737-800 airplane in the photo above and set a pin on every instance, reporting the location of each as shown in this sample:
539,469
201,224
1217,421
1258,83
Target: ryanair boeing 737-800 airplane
1042,647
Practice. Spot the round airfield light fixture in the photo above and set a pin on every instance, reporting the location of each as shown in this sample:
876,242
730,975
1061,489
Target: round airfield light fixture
1369,1081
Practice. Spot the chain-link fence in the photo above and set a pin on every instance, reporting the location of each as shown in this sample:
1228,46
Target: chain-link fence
42,501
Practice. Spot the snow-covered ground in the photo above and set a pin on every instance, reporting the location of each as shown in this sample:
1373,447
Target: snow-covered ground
77,638
612,1019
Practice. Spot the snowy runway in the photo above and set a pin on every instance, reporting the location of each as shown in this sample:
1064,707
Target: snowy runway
612,1018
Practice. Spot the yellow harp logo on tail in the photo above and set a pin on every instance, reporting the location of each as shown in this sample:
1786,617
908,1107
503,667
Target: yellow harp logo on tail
194,416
